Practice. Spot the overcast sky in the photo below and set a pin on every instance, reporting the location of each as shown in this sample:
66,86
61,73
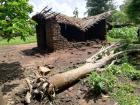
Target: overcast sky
64,6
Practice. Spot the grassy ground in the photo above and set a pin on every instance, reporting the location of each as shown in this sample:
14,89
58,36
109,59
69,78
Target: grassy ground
17,41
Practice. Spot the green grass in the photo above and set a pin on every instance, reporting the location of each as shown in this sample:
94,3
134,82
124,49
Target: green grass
17,41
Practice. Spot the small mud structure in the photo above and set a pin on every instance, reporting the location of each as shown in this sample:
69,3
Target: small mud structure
57,31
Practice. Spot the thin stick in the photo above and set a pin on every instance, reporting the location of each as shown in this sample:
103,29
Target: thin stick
29,85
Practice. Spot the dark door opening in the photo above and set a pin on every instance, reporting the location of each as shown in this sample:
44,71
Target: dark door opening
72,33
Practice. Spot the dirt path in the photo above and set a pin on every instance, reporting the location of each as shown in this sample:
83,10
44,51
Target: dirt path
19,62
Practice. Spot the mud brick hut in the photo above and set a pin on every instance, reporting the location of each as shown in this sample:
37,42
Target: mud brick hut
58,31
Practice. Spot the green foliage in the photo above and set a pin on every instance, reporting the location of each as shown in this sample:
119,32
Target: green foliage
125,4
103,82
125,69
124,95
76,12
15,20
116,81
133,11
119,17
115,70
126,33
97,82
95,7
129,71
125,58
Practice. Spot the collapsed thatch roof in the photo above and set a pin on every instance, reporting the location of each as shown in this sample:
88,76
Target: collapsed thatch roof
81,23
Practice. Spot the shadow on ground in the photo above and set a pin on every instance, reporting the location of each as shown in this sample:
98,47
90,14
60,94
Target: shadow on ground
91,94
33,52
10,71
8,87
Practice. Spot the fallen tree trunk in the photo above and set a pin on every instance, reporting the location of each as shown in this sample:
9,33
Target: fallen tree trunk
62,79
45,87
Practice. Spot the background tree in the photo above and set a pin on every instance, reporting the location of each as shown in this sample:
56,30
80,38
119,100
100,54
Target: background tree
133,12
14,19
119,18
95,7
125,4
75,12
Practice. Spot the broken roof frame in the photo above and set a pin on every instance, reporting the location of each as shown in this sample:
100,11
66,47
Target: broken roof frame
81,23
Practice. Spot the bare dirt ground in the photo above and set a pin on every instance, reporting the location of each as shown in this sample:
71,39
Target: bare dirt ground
20,61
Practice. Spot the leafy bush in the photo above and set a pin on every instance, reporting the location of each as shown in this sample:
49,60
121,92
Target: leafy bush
102,83
97,82
115,81
129,71
15,20
127,33
125,69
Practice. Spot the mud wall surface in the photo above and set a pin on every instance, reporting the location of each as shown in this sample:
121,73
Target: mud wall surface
54,39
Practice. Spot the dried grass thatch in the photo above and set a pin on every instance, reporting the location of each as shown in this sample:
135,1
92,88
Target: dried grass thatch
81,23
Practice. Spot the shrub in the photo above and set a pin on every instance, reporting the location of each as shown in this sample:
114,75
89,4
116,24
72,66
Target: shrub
102,83
116,81
129,71
127,33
